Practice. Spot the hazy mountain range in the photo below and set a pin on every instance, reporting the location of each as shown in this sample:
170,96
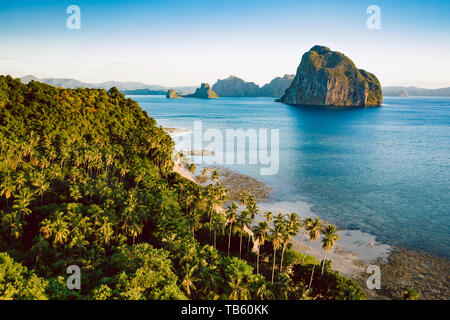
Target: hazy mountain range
397,91
125,87
232,86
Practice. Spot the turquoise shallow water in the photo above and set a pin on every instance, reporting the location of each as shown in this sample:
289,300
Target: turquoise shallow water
384,170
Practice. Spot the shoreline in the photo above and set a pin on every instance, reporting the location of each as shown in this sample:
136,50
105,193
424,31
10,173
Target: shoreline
354,251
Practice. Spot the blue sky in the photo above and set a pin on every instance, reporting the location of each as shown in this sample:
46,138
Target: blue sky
188,42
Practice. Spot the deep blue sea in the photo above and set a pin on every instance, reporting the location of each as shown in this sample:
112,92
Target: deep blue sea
384,171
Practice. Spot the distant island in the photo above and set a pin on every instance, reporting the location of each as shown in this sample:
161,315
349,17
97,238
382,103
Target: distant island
398,91
142,92
204,92
236,87
329,78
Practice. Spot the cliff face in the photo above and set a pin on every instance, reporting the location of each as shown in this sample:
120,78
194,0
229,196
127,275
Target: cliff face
204,92
172,94
235,87
329,78
277,86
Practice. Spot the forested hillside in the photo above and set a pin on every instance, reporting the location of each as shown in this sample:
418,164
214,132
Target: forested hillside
86,179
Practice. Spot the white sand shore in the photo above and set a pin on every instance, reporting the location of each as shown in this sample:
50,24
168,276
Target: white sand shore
178,169
353,250
176,131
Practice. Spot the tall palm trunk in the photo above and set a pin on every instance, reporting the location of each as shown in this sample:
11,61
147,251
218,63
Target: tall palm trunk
229,239
215,245
323,263
282,256
210,225
309,246
312,273
274,258
303,236
240,245
257,261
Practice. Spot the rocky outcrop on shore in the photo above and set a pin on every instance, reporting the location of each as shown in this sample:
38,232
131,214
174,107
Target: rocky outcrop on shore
329,78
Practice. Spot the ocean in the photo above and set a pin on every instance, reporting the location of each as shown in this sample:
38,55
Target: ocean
382,171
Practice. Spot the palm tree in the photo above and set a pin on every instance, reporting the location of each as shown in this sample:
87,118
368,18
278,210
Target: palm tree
314,234
189,200
243,197
218,225
204,173
253,210
7,188
106,230
242,222
191,168
188,280
239,290
21,180
328,241
60,229
305,225
194,220
231,215
214,176
314,227
261,235
22,202
210,276
215,197
135,229
129,211
263,291
290,230
13,223
285,238
46,228
276,241
269,216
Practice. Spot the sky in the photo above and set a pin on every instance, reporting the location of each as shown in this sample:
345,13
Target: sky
182,42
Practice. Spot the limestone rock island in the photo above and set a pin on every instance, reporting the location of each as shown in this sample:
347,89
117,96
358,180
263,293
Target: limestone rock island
204,92
329,78
172,94
236,87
